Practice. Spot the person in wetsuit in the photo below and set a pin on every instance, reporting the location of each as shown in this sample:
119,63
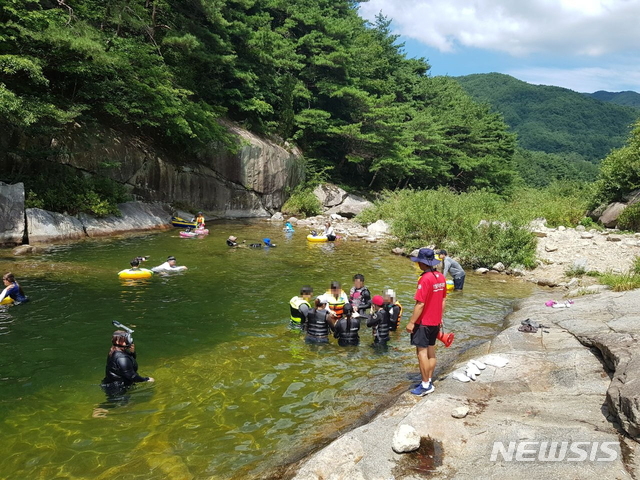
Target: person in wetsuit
317,322
346,328
393,307
121,371
12,289
359,296
379,321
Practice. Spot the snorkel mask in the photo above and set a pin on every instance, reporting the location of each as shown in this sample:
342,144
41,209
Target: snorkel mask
128,338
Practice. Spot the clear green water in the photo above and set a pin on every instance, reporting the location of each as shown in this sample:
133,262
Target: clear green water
237,392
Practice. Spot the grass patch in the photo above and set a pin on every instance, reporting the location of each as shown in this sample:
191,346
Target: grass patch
620,282
575,271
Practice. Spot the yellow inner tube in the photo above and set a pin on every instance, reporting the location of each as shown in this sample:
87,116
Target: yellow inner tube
139,273
6,301
449,286
317,238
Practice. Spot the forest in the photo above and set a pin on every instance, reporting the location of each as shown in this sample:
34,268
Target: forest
309,71
554,119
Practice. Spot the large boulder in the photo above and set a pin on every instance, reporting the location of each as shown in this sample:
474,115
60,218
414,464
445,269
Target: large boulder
44,226
351,206
609,217
136,216
379,228
329,195
11,213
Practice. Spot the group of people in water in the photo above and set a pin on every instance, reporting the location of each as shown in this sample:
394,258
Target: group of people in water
337,313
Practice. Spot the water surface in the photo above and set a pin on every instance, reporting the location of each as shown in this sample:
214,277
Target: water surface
237,392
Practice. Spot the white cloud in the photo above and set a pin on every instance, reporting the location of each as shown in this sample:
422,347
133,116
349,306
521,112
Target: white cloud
518,27
617,78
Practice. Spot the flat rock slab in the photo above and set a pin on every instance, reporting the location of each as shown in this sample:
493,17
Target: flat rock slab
135,216
554,389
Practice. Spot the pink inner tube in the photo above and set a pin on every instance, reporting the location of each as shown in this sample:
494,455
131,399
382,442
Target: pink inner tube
201,231
188,234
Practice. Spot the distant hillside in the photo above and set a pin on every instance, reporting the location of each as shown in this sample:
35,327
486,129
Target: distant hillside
553,119
628,98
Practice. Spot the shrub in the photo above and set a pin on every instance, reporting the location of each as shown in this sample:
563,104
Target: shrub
302,203
636,266
629,219
621,283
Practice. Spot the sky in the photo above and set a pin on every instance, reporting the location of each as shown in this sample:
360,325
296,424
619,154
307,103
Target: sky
583,45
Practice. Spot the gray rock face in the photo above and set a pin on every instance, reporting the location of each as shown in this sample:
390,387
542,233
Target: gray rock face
329,195
405,439
44,226
351,206
242,184
135,216
609,217
11,214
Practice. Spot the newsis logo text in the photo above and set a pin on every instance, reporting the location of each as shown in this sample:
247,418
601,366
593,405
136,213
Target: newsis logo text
543,451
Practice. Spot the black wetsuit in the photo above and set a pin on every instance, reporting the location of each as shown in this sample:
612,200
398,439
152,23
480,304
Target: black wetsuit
346,331
380,323
394,315
317,326
121,372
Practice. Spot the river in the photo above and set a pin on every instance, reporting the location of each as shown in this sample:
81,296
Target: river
237,392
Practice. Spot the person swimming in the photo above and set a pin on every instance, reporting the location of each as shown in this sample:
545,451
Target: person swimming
12,289
169,266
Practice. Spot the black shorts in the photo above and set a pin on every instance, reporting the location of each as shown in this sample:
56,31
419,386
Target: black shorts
425,335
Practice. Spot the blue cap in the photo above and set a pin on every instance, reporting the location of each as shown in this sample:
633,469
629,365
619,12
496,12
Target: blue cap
267,241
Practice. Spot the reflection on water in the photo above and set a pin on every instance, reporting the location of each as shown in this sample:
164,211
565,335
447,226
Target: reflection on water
237,391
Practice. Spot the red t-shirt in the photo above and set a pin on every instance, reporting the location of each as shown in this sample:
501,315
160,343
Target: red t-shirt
432,289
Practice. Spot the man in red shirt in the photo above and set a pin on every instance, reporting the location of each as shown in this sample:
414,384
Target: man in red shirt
426,319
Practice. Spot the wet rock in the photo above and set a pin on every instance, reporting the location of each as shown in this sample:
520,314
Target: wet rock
136,216
405,439
24,250
460,412
11,214
293,220
44,226
499,267
277,217
547,282
378,228
481,270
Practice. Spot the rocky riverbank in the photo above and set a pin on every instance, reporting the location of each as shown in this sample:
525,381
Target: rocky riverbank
573,381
